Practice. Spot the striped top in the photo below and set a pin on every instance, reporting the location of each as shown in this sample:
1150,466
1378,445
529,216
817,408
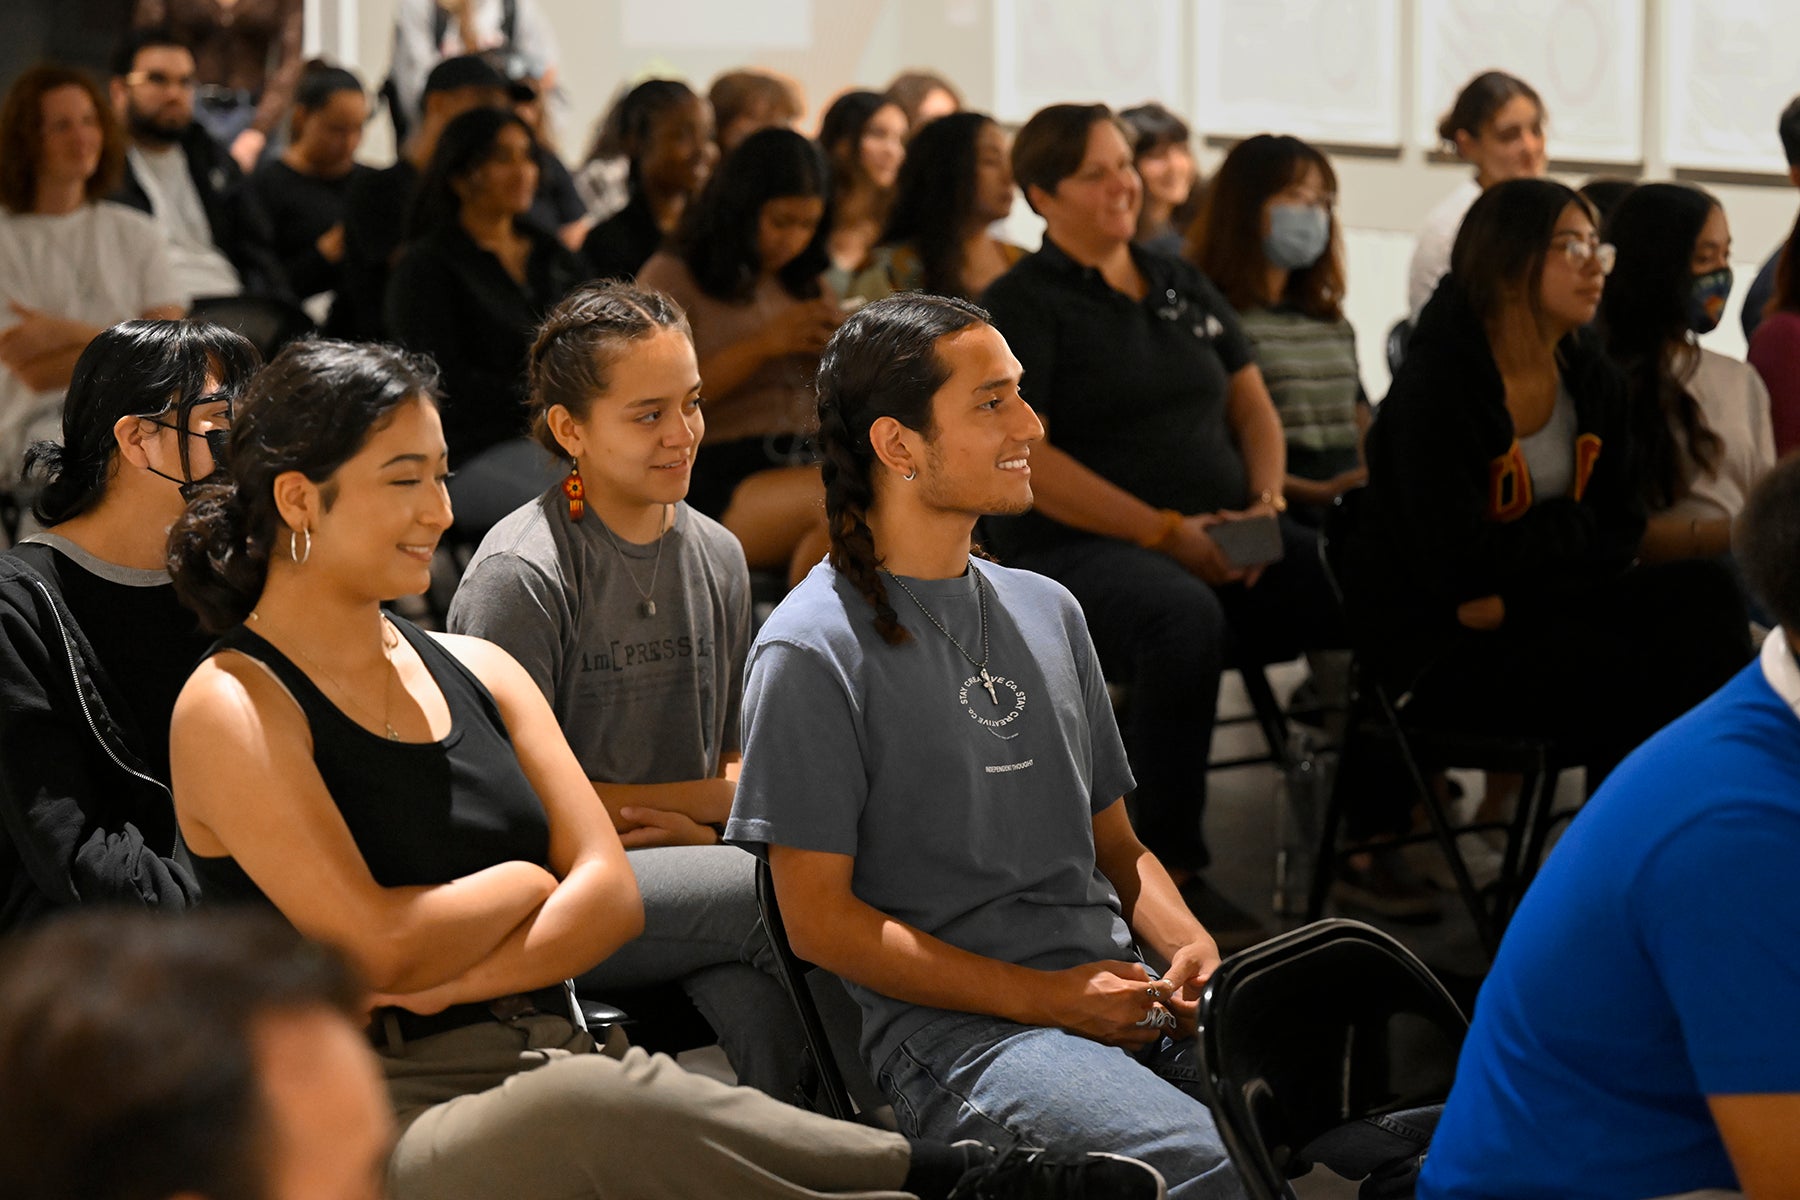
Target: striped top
1310,368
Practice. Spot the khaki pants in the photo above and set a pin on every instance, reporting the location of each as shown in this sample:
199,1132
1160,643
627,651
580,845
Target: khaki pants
525,1110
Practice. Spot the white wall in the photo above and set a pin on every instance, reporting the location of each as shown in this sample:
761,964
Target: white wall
843,43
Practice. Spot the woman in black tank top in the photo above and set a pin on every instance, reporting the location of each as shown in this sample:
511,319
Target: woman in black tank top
416,803
410,798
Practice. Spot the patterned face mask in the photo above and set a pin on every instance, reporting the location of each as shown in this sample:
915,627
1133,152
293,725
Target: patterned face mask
1707,303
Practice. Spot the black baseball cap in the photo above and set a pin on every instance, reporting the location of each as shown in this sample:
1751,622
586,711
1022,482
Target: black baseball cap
465,71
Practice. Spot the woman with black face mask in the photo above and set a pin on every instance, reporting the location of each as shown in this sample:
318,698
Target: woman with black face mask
94,646
1701,419
1267,236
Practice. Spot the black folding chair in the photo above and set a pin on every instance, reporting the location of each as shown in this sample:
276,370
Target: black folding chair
1397,338
1307,1036
1265,710
822,1088
1423,748
269,323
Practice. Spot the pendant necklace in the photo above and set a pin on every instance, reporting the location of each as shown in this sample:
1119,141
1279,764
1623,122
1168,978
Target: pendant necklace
981,668
387,694
646,606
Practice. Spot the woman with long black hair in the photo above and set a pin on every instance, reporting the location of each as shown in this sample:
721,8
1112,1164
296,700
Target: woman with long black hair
747,269
1702,419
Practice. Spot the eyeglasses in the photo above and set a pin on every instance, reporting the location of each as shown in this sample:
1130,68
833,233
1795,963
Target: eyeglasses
1581,247
158,79
1309,198
223,418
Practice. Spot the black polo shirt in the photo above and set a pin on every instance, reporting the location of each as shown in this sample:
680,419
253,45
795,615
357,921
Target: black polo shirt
1135,390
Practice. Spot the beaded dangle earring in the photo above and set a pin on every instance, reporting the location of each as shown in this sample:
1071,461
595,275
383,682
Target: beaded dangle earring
572,490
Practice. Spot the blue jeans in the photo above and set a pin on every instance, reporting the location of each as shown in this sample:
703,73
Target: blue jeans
972,1076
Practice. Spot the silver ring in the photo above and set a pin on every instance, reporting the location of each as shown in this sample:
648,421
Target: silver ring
1157,1018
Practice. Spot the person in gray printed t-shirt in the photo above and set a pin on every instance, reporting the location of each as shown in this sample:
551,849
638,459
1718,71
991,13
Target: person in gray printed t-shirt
631,611
933,770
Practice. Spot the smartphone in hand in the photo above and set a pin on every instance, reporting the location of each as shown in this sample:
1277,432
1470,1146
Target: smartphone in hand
1250,542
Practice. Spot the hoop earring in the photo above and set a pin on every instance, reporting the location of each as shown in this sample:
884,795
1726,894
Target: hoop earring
911,475
300,556
573,491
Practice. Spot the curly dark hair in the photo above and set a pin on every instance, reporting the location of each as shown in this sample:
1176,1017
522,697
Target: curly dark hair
22,138
310,410
934,199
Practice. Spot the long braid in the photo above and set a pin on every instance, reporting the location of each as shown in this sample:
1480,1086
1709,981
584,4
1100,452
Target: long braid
847,499
881,363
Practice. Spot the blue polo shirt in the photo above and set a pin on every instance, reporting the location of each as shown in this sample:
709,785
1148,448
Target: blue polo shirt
1654,962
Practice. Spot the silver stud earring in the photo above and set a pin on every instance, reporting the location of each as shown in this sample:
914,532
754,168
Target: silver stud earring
294,552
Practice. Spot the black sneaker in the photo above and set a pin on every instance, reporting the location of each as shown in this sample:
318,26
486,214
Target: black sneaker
1026,1173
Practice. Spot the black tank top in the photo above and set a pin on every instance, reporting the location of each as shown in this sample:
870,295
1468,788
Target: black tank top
422,813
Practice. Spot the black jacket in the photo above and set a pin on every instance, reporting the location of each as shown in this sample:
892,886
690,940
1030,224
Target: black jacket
1447,515
82,820
219,181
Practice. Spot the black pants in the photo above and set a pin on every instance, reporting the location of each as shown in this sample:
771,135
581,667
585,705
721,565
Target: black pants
1169,636
1597,677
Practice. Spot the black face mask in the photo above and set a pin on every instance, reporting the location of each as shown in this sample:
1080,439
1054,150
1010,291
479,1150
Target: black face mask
217,440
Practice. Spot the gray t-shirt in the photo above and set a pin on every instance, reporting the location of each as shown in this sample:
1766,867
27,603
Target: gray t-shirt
969,819
641,699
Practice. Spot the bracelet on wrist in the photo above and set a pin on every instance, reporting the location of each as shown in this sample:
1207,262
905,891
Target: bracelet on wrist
1273,499
1169,523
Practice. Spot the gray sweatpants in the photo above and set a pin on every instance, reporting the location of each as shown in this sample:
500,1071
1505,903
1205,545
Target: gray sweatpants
701,927
525,1110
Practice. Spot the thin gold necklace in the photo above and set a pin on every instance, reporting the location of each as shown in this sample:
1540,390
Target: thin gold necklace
387,693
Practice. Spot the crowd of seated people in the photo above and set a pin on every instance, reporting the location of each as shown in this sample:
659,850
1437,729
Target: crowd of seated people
754,353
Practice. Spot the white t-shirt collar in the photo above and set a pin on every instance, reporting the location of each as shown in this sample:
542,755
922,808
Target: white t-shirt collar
1780,668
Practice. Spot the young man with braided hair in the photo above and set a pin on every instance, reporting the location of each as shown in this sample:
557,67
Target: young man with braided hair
932,769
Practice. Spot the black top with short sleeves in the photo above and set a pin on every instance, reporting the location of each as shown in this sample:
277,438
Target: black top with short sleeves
1135,390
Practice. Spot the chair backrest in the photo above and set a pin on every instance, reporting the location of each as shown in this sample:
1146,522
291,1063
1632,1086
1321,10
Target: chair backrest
833,1095
1328,1024
1397,338
268,323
